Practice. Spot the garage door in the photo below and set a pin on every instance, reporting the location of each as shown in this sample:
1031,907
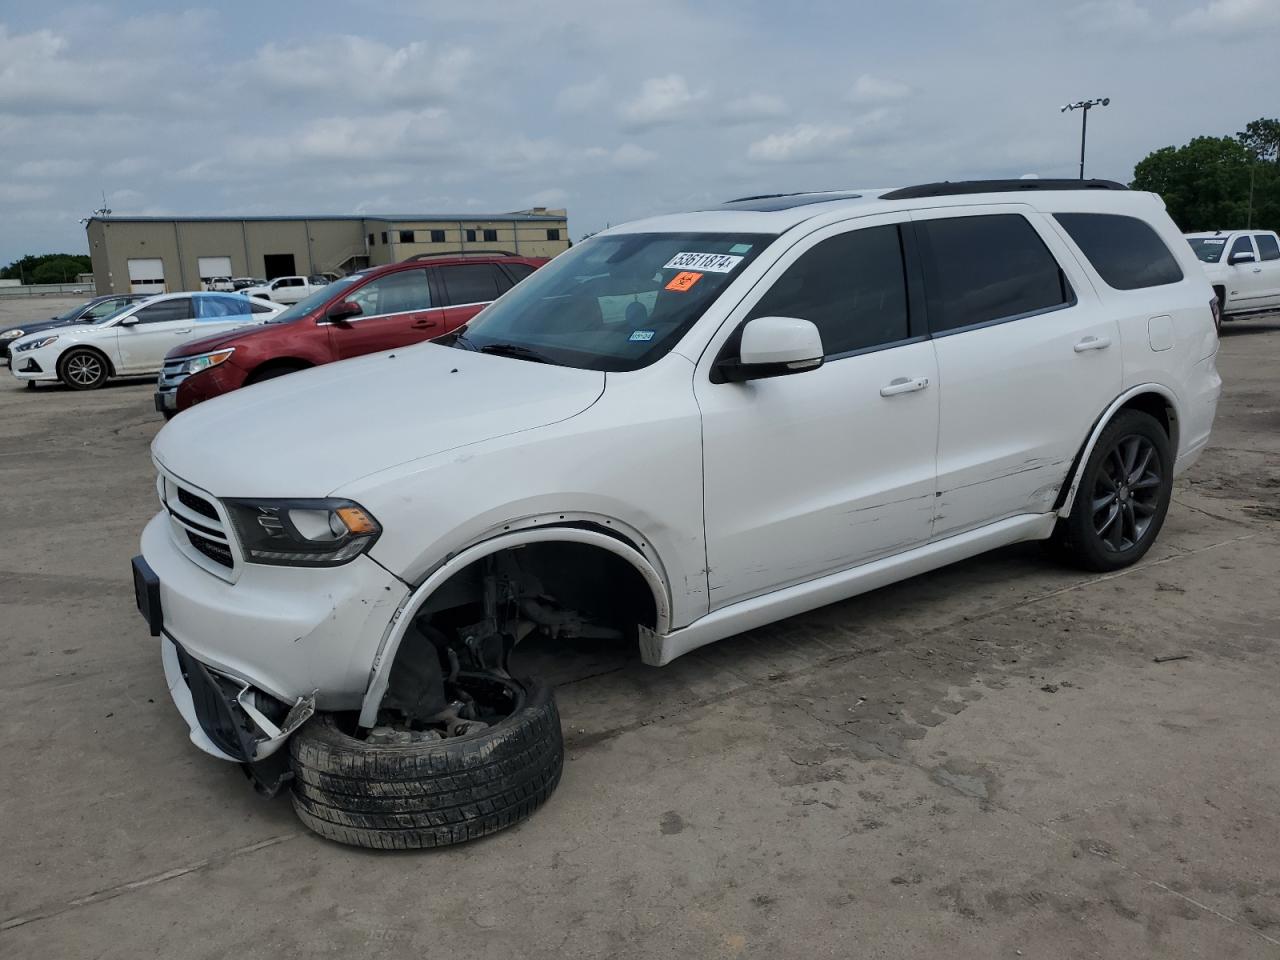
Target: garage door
146,276
211,267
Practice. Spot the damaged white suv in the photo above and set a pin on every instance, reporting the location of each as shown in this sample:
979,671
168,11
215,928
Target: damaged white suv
678,430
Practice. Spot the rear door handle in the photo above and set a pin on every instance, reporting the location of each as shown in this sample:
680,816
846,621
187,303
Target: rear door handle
1093,343
423,321
903,385
180,332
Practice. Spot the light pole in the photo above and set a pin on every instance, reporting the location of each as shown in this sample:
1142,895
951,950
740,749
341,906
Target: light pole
1085,106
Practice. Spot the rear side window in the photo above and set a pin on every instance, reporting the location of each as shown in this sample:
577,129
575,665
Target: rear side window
218,308
852,287
1268,247
518,271
982,269
1125,251
471,282
165,311
258,307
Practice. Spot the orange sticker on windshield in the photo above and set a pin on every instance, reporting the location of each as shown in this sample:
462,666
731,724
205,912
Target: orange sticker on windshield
683,281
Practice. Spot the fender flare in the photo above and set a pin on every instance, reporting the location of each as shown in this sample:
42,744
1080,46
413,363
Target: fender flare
384,659
1077,469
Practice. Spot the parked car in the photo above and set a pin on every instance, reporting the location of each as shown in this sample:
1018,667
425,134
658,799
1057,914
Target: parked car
240,283
88,312
376,309
679,429
320,279
130,342
1244,268
284,289
220,285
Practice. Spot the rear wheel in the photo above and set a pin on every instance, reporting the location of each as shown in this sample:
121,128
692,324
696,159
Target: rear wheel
1123,496
83,369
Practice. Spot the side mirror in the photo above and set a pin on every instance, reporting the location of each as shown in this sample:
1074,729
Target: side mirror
1241,257
128,321
773,347
343,311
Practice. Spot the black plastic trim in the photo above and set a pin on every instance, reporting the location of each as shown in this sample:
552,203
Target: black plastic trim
947,188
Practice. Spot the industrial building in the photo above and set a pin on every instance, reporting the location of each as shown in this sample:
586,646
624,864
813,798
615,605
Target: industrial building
165,254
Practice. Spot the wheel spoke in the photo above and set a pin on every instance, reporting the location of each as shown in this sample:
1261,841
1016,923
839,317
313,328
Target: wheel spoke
1144,509
1147,484
1130,447
1104,479
1111,519
1141,468
1103,501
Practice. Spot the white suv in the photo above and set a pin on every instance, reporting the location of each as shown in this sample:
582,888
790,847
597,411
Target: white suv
678,430
1244,268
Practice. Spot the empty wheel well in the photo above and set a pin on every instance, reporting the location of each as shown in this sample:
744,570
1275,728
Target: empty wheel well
559,589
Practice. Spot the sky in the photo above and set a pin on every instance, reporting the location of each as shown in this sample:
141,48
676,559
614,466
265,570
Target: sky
614,110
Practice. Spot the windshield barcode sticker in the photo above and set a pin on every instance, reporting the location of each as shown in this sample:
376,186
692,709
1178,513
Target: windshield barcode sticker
706,262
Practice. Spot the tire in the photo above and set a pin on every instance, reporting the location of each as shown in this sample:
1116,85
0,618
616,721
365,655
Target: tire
83,369
398,797
1123,496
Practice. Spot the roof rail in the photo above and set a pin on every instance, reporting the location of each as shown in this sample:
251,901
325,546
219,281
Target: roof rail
948,188
460,253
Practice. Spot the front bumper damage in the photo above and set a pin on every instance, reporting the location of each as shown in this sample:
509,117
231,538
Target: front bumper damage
229,718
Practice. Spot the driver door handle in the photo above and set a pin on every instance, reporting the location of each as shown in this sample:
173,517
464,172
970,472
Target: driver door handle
180,332
1093,343
424,321
903,385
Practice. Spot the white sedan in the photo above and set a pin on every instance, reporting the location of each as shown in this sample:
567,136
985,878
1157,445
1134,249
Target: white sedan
132,341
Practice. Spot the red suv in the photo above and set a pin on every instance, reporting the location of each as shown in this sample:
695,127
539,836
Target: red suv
377,309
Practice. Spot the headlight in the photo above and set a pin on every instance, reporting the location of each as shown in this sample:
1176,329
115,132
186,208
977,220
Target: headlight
302,533
35,344
205,361
11,334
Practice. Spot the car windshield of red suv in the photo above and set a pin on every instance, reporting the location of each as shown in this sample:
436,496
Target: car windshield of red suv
320,297
612,303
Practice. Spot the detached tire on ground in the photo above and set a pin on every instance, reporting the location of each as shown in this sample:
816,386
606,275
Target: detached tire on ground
398,797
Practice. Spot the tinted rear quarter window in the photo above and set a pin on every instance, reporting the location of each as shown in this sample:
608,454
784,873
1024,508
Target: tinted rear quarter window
470,282
1127,253
1268,247
987,268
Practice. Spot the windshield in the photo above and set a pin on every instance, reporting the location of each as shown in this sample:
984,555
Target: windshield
320,297
1208,249
70,315
613,302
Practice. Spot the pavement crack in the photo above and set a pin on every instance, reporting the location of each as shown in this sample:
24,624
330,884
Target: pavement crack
57,908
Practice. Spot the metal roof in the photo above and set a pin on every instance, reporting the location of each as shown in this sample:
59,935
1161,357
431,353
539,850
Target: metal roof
381,217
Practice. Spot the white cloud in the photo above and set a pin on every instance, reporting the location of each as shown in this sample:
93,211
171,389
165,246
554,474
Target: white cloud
355,69
582,96
1110,17
754,106
869,89
632,157
50,169
661,100
1230,18
551,197
804,142
24,192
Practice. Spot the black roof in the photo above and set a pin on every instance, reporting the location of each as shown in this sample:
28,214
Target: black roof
949,188
770,202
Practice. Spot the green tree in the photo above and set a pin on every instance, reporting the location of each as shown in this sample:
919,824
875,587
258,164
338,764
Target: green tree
47,268
1205,184
1262,139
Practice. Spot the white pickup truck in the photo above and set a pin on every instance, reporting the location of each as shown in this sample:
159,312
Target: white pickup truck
284,289
1244,268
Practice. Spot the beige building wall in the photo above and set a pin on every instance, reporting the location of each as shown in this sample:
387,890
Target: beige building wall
320,245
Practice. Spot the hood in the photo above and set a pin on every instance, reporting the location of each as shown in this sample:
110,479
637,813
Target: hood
35,326
239,335
307,434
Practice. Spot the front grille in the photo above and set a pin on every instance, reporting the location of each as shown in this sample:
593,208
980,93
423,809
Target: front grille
217,552
172,374
199,504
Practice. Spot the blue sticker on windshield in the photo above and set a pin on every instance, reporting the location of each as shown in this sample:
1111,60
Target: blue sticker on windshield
740,248
642,335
